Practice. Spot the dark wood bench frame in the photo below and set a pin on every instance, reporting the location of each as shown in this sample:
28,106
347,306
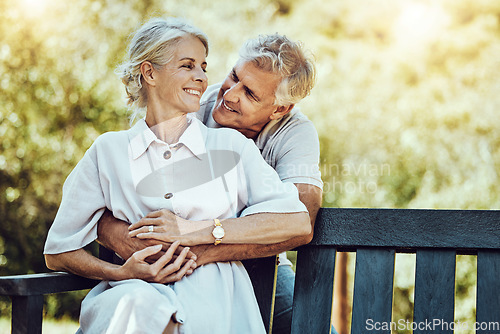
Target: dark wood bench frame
376,235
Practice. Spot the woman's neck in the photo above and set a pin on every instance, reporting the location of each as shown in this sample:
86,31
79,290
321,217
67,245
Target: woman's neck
167,129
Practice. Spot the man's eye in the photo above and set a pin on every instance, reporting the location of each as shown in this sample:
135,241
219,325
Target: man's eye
251,96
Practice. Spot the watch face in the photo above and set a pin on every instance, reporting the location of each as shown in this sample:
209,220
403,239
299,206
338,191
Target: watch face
218,232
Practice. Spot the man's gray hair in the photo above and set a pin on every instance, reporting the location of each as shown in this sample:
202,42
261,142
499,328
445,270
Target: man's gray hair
155,41
277,54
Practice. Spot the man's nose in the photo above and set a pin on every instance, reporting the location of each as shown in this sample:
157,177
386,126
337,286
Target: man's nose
232,93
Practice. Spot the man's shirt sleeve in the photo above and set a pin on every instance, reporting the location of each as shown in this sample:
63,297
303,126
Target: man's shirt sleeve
298,158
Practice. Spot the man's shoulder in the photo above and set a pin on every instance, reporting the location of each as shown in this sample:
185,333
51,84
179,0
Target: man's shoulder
294,125
296,118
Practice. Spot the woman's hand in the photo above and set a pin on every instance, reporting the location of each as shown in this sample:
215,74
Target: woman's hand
167,269
163,225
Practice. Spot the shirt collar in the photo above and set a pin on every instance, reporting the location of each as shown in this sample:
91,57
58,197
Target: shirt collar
141,137
194,137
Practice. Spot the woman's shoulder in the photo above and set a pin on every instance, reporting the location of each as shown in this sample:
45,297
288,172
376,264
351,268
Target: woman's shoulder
112,137
109,143
227,137
227,132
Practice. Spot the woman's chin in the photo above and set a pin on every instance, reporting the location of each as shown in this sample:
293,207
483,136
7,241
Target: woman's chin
192,109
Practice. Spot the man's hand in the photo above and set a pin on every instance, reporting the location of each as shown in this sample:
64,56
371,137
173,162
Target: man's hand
167,269
113,234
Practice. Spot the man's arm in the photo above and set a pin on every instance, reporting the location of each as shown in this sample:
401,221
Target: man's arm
308,194
114,234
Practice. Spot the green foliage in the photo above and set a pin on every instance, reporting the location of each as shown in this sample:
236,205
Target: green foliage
412,85
406,103
50,114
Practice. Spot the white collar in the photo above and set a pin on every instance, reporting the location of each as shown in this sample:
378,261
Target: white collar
141,137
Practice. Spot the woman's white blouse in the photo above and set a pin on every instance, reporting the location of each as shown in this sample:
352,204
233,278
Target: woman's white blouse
209,173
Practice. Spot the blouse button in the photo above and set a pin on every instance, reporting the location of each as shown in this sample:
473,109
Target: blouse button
167,155
169,195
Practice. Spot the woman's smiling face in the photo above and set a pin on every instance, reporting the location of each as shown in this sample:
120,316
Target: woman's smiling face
182,81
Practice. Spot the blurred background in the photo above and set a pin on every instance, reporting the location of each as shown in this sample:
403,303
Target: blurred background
406,106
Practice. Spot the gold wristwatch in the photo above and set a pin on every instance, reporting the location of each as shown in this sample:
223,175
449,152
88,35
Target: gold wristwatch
218,232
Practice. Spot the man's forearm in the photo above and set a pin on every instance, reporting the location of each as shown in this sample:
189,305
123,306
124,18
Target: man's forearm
113,234
309,195
236,252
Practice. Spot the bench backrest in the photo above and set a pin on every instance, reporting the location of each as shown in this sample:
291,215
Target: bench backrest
436,236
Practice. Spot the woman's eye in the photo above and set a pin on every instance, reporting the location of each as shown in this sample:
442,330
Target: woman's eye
188,66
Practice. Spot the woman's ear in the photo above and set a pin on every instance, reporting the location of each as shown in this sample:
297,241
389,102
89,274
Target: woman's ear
148,73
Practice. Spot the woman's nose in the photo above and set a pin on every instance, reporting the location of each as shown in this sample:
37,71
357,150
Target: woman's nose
200,75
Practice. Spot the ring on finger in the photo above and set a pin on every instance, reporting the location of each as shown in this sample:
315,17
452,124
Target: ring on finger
151,228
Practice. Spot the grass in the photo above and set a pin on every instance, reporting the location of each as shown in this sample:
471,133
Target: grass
49,326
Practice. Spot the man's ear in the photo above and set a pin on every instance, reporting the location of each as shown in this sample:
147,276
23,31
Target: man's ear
281,111
148,73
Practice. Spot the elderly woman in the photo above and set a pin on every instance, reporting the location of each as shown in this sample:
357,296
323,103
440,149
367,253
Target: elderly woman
171,161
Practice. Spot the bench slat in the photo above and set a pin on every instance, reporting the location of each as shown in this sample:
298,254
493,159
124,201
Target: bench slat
488,290
434,290
408,228
22,306
263,274
373,282
312,300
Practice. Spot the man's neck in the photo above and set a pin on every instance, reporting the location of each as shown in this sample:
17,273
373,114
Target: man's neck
251,134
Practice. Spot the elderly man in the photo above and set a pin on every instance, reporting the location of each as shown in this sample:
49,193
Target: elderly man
257,98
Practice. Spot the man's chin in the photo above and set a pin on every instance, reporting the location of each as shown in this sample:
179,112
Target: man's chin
220,116
217,115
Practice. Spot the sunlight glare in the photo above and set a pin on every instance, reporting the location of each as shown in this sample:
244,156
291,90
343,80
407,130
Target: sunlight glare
34,8
419,23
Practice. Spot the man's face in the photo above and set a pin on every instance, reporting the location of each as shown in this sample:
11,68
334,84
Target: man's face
246,99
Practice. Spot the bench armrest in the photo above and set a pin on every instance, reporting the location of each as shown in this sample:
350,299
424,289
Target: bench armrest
41,284
26,293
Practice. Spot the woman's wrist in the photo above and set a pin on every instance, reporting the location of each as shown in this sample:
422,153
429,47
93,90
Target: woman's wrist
117,273
196,232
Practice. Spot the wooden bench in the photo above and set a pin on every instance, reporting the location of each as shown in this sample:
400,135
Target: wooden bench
376,235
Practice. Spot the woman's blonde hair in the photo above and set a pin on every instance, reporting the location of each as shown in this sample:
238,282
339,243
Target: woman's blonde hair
155,41
277,54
